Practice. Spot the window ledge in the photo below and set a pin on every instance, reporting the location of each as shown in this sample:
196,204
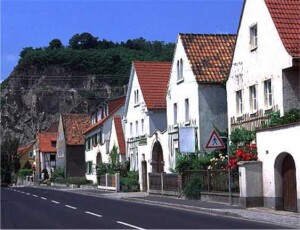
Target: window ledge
136,105
240,118
175,126
253,114
187,123
268,111
253,48
180,81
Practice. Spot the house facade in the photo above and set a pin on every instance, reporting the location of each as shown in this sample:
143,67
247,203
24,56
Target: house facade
264,78
196,95
70,143
45,153
25,154
145,111
97,136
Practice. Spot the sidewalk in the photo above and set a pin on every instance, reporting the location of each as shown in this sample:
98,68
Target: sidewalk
262,214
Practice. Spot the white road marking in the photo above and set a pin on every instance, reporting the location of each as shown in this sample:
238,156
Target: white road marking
130,225
35,195
44,198
23,192
28,194
54,201
93,214
68,206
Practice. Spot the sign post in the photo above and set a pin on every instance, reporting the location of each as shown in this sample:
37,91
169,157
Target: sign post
215,142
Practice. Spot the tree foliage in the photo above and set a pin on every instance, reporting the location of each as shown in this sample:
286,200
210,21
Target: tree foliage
83,41
55,44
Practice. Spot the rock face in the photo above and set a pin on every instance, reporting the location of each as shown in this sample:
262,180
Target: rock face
32,100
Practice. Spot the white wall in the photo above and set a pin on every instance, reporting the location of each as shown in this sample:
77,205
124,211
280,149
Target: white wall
271,143
179,91
254,67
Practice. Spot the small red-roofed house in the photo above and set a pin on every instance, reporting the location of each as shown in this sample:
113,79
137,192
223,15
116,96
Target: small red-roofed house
264,79
45,152
97,135
145,111
196,94
70,143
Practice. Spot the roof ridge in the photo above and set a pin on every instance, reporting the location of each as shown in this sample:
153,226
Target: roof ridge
209,34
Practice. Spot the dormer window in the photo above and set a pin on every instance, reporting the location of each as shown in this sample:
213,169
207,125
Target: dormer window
253,37
53,143
136,97
179,70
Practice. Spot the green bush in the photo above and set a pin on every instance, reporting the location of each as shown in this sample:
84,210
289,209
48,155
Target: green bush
130,183
193,187
58,174
25,172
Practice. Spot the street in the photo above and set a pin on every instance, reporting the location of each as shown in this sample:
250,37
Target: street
35,208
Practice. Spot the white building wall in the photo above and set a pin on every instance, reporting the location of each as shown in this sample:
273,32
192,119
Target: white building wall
271,143
177,93
254,67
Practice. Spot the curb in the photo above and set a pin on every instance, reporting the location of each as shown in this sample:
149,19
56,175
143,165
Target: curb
210,211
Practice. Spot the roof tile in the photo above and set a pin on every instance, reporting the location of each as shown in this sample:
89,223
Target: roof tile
45,140
120,134
74,125
286,17
153,78
210,55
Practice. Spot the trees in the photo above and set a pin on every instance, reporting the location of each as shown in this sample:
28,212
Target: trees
83,41
55,44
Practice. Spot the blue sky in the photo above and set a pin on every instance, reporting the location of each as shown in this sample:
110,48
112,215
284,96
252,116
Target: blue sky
35,23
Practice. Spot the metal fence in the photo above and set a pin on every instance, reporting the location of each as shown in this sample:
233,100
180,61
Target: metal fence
214,180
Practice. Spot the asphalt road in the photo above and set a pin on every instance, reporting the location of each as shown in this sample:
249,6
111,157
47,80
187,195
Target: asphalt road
36,208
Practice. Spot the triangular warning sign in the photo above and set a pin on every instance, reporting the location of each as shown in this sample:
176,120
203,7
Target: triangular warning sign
215,142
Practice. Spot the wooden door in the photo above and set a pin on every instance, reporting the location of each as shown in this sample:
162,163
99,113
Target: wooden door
289,184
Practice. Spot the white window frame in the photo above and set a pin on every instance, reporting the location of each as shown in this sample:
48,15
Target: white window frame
268,94
136,128
253,98
143,126
136,97
179,70
187,109
253,37
239,102
175,112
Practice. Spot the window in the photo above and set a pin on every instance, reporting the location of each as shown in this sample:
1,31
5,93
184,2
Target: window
94,139
136,128
253,37
142,122
175,113
268,94
239,102
253,99
89,165
60,153
30,154
53,143
52,157
99,137
179,70
61,137
136,97
131,134
187,109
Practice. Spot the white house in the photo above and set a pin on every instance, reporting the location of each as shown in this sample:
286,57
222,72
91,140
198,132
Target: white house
97,136
264,77
196,95
145,113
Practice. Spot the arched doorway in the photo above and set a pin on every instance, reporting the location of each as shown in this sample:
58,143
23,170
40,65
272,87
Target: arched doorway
157,158
289,189
98,158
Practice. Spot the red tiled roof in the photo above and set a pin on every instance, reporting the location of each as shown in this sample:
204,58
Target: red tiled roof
286,17
153,78
115,103
23,149
74,125
45,140
120,135
92,127
209,55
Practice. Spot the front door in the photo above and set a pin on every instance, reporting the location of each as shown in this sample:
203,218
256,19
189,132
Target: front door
144,175
289,184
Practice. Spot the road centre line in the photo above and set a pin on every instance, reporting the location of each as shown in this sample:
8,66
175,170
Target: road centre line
54,201
28,194
93,214
35,195
44,198
68,206
130,225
